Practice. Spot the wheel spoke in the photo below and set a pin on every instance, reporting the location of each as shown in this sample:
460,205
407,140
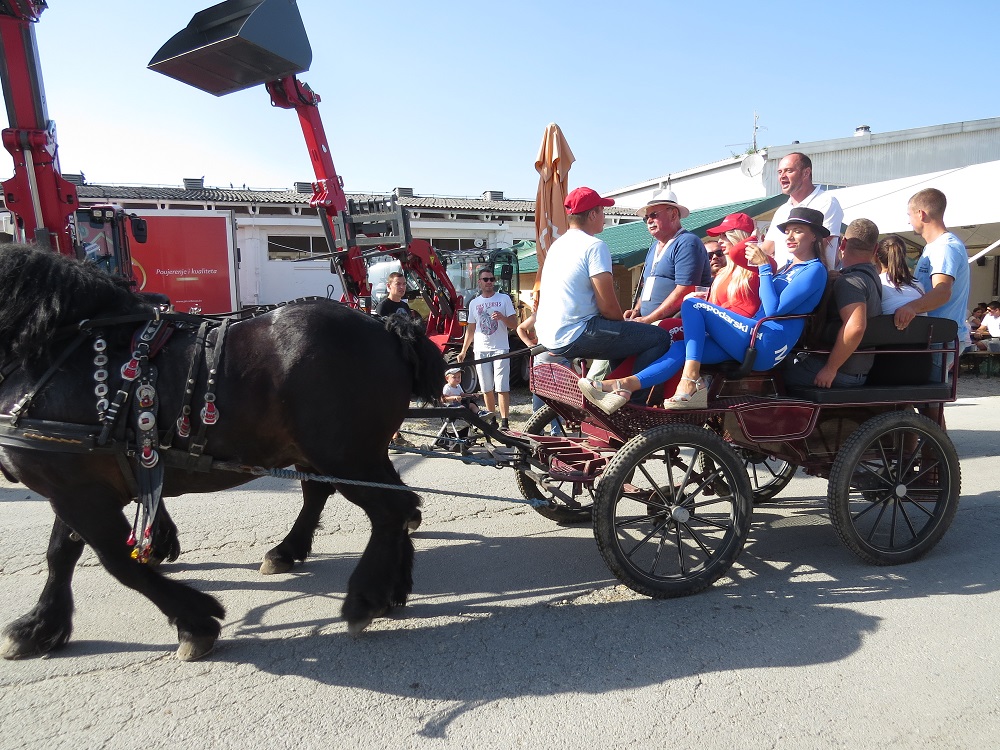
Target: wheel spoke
680,548
878,518
698,541
710,522
906,517
657,528
667,501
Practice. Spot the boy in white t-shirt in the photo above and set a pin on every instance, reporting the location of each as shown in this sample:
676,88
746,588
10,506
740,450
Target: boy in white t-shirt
490,315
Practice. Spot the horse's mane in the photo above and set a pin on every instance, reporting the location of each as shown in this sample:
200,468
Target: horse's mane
41,291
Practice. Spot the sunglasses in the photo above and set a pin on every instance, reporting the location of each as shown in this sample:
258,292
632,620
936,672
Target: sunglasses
717,254
487,278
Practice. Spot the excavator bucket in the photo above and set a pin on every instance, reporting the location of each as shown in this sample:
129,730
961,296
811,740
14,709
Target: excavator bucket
235,45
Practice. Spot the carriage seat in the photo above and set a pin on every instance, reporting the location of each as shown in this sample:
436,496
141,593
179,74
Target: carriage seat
903,360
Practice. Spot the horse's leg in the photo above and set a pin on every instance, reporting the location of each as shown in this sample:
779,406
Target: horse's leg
384,575
166,545
49,624
298,543
100,521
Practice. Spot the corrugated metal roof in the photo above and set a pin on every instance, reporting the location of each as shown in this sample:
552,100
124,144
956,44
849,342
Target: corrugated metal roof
629,243
218,195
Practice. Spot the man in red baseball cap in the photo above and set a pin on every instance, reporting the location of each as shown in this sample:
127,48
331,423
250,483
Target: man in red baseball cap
578,313
585,199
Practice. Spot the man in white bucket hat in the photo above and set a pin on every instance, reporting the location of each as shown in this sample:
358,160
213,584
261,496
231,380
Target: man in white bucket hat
677,261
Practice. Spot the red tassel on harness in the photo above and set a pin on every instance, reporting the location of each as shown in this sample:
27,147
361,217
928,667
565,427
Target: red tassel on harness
130,370
209,414
183,426
148,458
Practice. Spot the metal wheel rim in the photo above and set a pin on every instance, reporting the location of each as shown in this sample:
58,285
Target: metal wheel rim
669,521
899,495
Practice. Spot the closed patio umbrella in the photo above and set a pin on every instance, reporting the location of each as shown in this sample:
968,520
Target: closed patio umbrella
553,163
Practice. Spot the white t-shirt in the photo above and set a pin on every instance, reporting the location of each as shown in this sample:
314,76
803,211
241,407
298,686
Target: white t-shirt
567,299
833,217
491,335
992,325
893,298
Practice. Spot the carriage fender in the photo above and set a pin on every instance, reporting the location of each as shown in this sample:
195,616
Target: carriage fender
784,420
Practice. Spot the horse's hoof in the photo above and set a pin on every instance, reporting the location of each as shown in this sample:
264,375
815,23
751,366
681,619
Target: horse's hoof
272,565
192,648
14,649
356,627
414,523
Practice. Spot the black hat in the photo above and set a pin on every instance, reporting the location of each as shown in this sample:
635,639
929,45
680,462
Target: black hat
808,216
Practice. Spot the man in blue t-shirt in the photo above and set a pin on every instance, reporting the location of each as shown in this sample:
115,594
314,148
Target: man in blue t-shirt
676,263
943,270
943,267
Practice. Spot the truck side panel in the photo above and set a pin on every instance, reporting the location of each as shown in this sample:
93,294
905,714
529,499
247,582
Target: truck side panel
191,257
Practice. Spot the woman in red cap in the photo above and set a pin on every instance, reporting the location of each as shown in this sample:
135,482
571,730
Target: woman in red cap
737,285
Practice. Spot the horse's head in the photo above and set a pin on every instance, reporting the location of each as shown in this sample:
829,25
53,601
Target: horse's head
42,291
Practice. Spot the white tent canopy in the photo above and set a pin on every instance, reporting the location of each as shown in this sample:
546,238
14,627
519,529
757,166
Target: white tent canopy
973,211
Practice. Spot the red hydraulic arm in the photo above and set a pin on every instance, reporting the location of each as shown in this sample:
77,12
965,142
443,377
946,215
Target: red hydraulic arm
418,257
40,200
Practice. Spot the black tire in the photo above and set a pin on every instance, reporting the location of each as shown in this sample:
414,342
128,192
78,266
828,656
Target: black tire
768,475
894,488
561,512
520,366
661,522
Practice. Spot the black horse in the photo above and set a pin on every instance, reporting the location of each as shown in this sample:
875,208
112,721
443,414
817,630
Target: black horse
287,392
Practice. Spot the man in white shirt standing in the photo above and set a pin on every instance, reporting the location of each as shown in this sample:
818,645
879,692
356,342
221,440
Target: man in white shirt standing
795,178
490,315
578,313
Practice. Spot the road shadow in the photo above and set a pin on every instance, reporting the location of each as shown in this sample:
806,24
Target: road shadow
498,618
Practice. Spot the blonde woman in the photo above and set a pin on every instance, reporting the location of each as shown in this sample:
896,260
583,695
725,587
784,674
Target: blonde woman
737,286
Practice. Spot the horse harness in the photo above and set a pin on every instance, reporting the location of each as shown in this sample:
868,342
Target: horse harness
127,415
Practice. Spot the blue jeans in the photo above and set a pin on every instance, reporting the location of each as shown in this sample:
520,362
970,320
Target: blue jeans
617,339
802,372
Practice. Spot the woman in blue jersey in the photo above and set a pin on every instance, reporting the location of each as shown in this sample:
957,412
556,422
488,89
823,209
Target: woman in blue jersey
713,334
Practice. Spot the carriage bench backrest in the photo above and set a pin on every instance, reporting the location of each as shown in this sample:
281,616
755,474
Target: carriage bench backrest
903,358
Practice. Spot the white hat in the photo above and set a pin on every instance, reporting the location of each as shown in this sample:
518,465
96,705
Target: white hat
663,198
452,370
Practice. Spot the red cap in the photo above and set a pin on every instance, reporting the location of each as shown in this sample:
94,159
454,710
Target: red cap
583,199
731,222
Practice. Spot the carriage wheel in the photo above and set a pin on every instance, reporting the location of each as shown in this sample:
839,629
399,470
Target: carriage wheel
768,475
894,488
561,512
665,526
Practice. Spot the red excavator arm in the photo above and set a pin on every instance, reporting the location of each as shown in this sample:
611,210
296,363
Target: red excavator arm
40,200
241,43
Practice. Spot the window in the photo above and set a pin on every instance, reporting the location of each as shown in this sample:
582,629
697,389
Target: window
454,243
295,247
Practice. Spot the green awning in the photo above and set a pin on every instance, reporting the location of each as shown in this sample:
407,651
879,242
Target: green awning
630,242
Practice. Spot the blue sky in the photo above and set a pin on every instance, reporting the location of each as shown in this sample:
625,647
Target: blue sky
451,98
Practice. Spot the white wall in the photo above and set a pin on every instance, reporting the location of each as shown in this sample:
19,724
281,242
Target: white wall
704,187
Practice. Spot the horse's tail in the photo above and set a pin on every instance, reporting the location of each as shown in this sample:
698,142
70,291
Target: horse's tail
421,354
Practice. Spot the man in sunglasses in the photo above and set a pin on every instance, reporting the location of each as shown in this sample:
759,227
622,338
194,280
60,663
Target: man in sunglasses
716,256
675,264
490,315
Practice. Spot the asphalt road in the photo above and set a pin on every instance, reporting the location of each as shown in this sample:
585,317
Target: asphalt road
518,636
